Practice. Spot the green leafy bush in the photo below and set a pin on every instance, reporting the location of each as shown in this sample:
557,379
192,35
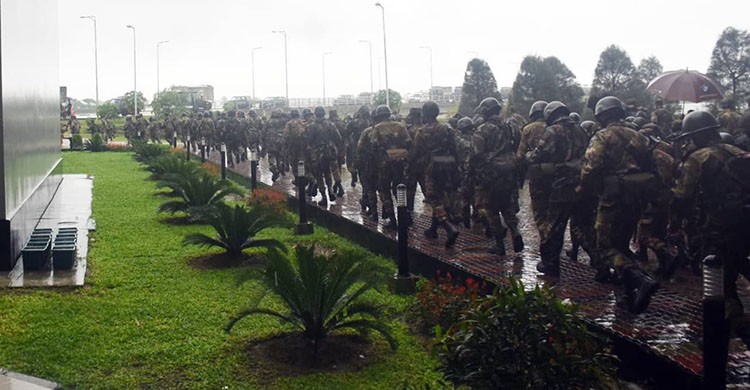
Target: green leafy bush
442,301
519,339
195,192
169,164
146,152
322,293
76,142
95,144
236,228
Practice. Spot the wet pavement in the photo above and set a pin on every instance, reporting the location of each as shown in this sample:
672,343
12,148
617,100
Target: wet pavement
667,333
70,207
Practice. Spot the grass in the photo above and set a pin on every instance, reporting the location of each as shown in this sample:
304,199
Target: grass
147,319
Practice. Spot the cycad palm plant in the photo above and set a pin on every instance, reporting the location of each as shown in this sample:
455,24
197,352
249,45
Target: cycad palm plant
322,293
236,228
195,191
163,166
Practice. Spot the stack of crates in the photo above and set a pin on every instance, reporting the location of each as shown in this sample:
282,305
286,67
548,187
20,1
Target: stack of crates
37,249
64,250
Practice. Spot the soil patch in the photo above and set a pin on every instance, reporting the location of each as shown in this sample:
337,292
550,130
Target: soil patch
178,220
222,260
292,355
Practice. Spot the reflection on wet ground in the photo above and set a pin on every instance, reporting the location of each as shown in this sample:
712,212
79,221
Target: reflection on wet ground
670,328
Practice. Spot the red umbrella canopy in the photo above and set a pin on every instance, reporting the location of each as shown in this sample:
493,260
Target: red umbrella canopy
687,85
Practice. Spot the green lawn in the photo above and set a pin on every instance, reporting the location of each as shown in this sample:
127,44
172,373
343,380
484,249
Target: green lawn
147,319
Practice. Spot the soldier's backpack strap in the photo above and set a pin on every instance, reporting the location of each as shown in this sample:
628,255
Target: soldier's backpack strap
737,166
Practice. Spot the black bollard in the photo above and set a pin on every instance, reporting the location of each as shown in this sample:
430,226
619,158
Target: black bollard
403,282
304,227
203,150
253,169
187,153
715,326
174,139
223,161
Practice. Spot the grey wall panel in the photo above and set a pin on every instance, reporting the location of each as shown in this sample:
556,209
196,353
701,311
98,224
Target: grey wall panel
30,98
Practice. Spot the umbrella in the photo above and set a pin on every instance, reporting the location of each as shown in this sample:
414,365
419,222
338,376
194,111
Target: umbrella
685,85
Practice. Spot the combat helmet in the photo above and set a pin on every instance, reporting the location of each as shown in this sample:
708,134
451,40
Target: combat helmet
640,122
575,117
320,112
698,122
537,110
609,108
306,112
294,113
726,138
489,106
382,112
555,111
589,127
430,110
465,123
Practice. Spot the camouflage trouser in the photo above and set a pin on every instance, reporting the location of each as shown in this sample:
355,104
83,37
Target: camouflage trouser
438,182
336,170
390,175
412,179
731,244
652,229
582,231
321,169
369,181
539,191
490,203
275,160
616,220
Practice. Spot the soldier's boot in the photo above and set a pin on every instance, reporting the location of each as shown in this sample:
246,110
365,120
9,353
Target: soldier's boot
451,233
499,248
391,217
354,179
573,252
312,189
324,201
518,243
431,232
639,288
362,205
549,268
467,216
668,264
338,188
274,176
331,195
642,254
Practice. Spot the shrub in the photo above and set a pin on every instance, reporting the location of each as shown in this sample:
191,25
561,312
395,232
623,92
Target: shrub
236,228
76,142
195,191
322,293
145,152
523,340
163,166
118,147
210,168
267,199
95,144
442,301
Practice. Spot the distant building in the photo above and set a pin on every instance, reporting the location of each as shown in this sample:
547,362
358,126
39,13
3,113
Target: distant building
200,92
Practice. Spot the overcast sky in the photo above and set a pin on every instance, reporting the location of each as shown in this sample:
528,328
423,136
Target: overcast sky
210,42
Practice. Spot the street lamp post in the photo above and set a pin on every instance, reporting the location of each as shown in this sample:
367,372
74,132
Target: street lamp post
428,48
253,70
157,65
385,57
96,57
286,64
324,77
369,44
135,79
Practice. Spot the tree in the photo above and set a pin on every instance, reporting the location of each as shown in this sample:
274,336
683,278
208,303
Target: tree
649,69
108,110
614,73
170,102
126,102
545,79
394,97
479,83
730,61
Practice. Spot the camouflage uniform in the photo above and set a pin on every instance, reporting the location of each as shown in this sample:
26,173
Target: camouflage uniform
340,151
663,119
367,171
360,122
93,127
274,142
613,152
141,126
436,145
493,162
129,129
539,188
466,191
206,128
109,129
417,164
558,157
254,131
321,135
390,143
729,120
725,228
294,133
153,130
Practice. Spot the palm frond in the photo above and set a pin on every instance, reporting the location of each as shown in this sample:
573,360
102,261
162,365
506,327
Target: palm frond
202,240
250,312
364,324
